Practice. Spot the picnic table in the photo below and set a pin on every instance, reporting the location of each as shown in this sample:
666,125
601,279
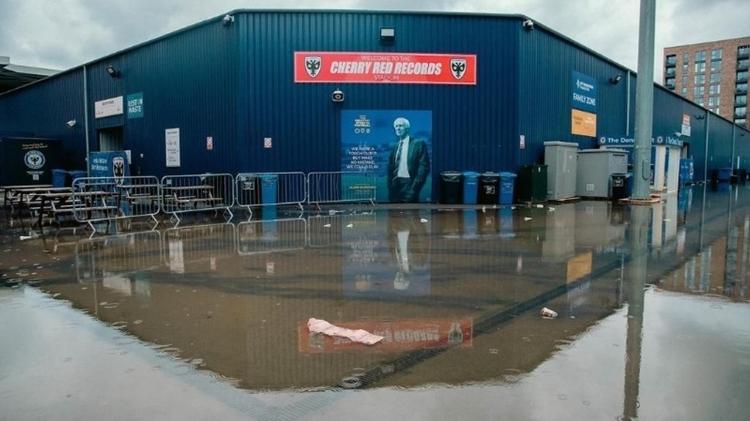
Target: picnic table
187,195
56,204
28,197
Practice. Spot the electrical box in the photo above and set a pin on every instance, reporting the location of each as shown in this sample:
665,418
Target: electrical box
561,159
595,168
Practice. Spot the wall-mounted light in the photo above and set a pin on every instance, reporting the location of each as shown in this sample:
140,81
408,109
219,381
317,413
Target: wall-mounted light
112,72
528,24
227,20
615,79
337,96
699,116
387,34
71,123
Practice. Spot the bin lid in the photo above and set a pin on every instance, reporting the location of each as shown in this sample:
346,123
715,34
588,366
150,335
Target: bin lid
450,173
489,174
558,143
269,176
505,174
471,174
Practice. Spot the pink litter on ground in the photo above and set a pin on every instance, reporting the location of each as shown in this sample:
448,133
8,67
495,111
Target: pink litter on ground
359,335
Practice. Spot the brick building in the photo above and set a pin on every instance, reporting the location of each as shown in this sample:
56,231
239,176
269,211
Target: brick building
713,74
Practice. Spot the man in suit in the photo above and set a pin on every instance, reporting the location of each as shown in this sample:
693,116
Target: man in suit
408,165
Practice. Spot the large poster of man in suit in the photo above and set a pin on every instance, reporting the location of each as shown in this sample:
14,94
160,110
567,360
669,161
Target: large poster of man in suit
396,146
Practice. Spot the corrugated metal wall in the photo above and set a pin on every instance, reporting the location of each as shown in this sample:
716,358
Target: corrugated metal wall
235,83
43,111
473,126
189,82
545,64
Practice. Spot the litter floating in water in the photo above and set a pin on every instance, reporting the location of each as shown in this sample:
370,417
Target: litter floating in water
551,209
359,335
527,218
547,313
540,206
327,226
424,221
512,208
350,226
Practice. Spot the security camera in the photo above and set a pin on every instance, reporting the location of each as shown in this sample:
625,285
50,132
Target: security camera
71,123
337,96
528,24
227,20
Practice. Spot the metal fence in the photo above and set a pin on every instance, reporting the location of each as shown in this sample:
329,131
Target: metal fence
270,189
196,193
121,254
269,236
341,187
198,247
104,199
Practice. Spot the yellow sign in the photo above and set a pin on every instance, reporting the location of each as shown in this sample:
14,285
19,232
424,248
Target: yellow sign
583,123
579,266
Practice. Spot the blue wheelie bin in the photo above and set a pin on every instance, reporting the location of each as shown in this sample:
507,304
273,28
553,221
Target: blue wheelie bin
59,178
471,187
269,188
507,181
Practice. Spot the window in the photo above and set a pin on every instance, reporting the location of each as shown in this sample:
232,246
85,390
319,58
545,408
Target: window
685,69
700,67
713,101
742,64
685,58
700,79
698,92
740,100
699,101
671,60
743,51
684,81
740,111
700,56
716,54
715,110
742,76
715,77
715,66
670,72
741,88
714,89
670,83
740,121
683,91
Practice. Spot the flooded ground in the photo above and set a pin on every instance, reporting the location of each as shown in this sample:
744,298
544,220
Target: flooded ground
208,320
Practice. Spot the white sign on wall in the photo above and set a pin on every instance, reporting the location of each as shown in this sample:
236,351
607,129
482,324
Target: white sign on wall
172,144
108,107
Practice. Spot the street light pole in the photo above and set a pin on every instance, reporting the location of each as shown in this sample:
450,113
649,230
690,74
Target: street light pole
644,101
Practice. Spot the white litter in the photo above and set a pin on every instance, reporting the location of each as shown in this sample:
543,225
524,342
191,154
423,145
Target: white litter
512,208
359,335
424,221
527,219
540,206
547,313
350,226
551,209
327,226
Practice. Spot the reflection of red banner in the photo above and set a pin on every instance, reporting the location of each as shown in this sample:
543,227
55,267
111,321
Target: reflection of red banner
325,67
400,335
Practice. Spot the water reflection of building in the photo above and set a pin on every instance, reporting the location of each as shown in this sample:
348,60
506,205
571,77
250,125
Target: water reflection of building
235,298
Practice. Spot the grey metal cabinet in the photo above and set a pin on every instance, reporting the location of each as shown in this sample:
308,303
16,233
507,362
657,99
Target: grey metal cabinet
561,159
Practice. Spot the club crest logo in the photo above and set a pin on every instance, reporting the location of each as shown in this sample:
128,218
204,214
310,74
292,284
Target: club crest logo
118,168
458,67
34,159
312,66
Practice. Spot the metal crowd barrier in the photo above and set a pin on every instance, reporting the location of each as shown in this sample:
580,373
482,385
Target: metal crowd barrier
197,193
269,236
121,254
270,189
341,187
105,199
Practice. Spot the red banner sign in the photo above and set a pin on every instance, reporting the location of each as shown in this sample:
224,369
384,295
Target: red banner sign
399,335
329,67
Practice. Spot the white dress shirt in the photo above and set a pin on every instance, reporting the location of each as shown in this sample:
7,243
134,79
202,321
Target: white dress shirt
403,159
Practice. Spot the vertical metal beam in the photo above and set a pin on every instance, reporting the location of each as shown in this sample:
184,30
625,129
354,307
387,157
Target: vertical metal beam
627,107
86,117
644,101
731,159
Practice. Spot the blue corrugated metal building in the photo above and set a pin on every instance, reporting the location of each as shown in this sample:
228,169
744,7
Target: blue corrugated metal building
233,81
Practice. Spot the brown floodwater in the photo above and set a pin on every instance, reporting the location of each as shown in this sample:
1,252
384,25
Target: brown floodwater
208,319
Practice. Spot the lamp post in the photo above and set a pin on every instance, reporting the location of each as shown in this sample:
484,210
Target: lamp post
644,97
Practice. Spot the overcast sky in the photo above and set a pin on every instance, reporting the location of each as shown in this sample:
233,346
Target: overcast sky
64,33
